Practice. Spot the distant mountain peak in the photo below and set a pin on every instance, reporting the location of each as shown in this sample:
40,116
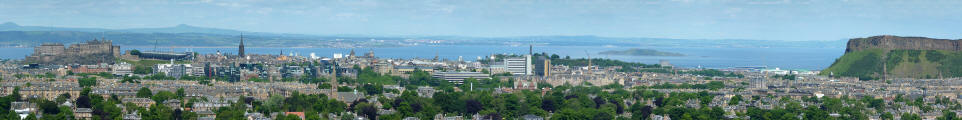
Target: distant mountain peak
183,25
9,24
178,28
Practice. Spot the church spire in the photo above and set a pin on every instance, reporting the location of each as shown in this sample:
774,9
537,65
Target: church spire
240,48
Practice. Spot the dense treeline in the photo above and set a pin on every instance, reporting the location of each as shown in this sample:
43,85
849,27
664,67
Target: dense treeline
311,105
103,108
600,62
5,105
560,103
713,85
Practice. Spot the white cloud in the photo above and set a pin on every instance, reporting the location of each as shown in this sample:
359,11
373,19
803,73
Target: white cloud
770,2
262,11
350,17
733,12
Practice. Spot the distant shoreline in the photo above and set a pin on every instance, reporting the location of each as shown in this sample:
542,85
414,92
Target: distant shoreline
122,47
641,52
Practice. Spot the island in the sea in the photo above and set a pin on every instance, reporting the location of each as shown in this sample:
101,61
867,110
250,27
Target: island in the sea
640,52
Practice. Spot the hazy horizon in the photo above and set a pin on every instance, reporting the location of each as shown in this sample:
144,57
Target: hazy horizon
679,19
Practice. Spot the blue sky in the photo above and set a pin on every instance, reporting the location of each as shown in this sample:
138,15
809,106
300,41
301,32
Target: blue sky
684,19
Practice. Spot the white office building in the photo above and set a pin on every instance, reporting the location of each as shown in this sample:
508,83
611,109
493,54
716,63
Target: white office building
519,65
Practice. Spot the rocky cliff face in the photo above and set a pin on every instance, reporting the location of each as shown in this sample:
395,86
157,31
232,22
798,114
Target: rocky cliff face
888,42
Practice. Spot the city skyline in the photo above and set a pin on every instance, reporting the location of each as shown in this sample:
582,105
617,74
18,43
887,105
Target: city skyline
480,60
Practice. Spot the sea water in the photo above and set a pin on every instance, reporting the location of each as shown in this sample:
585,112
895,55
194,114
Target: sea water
703,57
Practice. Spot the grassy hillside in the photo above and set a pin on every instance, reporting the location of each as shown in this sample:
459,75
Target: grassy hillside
865,65
869,64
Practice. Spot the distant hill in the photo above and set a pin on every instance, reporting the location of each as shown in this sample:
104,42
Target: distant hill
898,57
34,38
10,26
640,52
182,28
14,35
648,42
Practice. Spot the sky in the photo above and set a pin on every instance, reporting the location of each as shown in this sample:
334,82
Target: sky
680,19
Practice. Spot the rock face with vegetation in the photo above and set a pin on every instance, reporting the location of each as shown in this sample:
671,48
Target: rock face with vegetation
881,57
888,42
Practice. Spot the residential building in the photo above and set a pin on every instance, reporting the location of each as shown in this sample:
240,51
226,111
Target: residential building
178,70
142,102
425,91
208,106
23,109
173,103
122,69
132,116
458,77
83,113
98,68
